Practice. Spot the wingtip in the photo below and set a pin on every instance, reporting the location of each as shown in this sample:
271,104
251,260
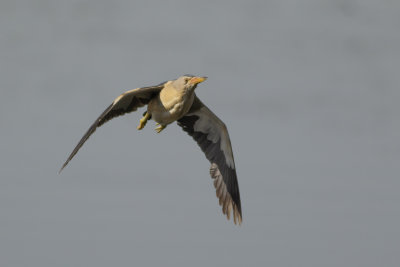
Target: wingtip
62,168
239,221
237,215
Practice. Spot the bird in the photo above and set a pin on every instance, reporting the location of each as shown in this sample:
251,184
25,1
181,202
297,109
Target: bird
176,100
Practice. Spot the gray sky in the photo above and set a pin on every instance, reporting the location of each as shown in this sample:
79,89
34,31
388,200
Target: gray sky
309,91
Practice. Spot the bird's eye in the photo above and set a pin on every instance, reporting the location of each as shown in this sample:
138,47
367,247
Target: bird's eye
187,79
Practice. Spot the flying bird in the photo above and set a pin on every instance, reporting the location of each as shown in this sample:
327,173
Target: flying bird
176,100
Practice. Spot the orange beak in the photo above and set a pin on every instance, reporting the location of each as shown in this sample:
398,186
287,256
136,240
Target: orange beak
196,80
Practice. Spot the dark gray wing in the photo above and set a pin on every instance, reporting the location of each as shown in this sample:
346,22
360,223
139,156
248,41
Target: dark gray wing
212,136
125,103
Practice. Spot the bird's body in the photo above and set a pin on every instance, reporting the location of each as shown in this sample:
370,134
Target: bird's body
176,101
170,104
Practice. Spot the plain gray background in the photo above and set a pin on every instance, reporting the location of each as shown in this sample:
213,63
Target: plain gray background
309,91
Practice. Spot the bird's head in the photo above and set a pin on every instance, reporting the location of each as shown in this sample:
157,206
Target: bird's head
188,82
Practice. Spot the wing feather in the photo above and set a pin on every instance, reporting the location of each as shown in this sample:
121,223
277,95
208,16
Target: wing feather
212,136
125,103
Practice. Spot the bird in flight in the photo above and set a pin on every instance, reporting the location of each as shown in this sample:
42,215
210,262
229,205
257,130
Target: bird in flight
176,101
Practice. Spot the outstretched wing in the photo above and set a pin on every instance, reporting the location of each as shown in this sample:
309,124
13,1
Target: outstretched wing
125,103
212,136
